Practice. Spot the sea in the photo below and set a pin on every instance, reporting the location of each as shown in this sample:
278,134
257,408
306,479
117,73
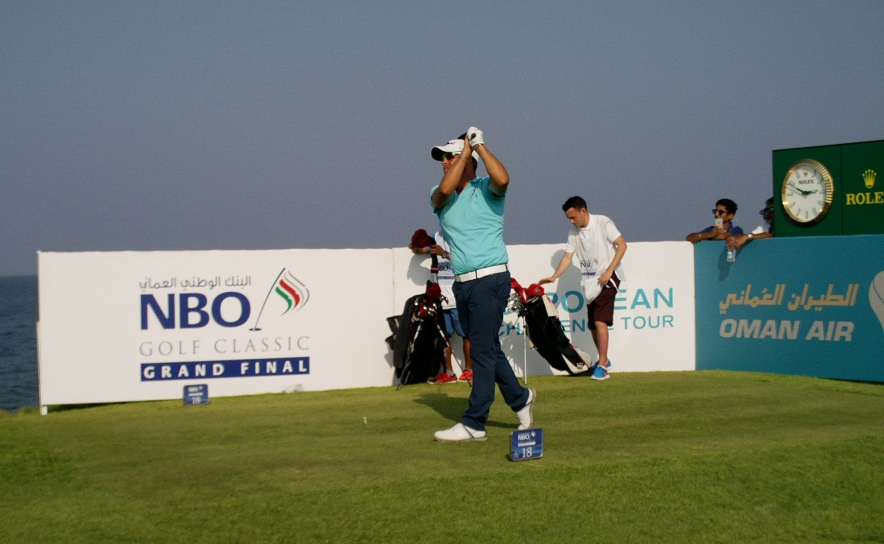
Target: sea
18,343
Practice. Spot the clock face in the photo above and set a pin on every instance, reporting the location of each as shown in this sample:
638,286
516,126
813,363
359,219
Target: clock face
807,191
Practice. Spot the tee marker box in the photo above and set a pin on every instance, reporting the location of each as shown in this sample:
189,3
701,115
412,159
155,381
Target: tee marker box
527,444
196,394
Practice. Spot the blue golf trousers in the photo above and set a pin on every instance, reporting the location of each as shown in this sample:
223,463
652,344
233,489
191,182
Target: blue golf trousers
480,306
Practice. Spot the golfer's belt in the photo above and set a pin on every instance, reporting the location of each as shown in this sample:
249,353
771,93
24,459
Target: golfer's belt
480,273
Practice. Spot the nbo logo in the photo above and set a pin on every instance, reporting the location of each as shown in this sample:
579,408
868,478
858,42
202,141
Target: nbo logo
191,312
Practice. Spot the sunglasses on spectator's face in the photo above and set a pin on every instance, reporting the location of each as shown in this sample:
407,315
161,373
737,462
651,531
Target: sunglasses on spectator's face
448,156
719,212
766,210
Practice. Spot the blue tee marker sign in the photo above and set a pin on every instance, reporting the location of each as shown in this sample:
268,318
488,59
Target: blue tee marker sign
196,394
526,444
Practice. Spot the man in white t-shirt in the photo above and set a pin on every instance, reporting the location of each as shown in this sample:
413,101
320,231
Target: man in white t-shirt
599,247
444,276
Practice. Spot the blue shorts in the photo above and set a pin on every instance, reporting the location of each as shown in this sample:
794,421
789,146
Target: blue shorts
452,323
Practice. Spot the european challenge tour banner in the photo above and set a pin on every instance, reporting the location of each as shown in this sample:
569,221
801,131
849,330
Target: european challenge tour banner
653,318
811,306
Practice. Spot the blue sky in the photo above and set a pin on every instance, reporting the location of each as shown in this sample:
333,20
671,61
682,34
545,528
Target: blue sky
220,125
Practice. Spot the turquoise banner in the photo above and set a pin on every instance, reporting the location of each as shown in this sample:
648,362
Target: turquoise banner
811,306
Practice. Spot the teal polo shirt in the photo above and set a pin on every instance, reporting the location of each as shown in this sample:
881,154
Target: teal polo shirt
472,223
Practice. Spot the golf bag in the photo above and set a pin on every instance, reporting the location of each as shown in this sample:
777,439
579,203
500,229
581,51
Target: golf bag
546,332
418,340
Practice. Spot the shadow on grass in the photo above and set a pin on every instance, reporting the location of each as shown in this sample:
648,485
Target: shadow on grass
879,384
70,407
452,408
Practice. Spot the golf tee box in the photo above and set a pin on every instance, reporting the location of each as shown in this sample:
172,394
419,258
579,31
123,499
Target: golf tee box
527,444
196,394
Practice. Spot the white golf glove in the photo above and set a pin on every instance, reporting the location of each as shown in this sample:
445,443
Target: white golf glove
476,137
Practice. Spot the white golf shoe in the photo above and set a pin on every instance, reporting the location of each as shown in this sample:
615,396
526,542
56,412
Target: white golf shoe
526,414
460,433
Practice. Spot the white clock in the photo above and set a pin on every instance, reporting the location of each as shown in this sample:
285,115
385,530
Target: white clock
807,191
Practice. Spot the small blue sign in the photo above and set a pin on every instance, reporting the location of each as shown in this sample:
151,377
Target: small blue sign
527,444
196,394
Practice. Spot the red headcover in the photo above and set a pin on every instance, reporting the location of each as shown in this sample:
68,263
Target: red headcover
534,290
420,238
433,293
518,289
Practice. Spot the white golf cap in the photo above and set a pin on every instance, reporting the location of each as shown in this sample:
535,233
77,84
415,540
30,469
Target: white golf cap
453,146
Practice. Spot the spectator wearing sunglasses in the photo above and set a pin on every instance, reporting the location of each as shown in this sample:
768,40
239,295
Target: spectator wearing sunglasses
724,209
762,231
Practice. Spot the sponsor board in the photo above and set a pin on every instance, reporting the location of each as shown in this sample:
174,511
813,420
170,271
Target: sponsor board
118,326
810,306
129,326
653,326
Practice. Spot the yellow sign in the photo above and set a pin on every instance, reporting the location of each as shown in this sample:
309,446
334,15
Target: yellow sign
869,197
775,298
869,178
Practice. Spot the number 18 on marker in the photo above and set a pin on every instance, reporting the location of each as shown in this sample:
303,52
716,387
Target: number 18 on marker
527,444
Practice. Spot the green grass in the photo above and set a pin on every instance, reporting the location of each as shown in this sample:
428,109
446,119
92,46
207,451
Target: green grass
644,457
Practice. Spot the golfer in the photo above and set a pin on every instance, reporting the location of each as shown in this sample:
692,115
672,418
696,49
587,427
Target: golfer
470,211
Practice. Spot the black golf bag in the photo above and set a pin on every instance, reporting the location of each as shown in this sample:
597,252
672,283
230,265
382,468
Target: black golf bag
545,330
418,340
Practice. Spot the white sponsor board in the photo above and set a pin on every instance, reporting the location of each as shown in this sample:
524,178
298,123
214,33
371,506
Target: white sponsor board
654,312
128,326
124,326
653,319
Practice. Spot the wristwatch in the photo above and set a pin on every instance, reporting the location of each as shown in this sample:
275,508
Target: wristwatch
751,235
